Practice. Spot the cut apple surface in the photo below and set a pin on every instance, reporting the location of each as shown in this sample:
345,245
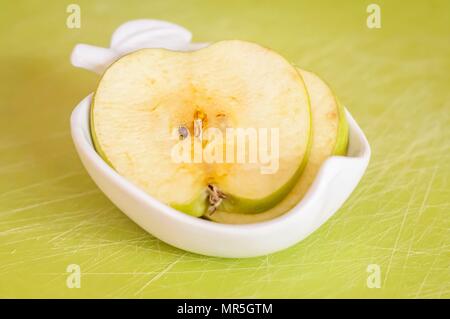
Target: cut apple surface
153,105
329,137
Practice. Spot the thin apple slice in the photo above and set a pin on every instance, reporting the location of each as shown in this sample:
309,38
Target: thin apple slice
147,95
330,137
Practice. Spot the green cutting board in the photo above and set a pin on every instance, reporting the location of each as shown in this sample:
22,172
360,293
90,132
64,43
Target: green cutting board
395,80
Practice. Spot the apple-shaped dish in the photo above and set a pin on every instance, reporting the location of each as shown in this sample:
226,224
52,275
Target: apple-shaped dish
334,183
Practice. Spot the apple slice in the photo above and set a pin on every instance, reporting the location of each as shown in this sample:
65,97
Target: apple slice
330,137
153,103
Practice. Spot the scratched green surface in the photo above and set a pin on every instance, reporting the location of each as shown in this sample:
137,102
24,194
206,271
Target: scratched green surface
395,81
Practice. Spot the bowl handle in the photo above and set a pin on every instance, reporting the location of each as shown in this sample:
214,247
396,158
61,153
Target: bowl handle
92,58
131,36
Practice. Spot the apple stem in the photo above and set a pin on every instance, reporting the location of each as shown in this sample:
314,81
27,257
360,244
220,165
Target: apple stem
215,198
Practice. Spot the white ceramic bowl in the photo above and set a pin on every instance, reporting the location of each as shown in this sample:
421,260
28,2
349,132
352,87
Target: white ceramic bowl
335,181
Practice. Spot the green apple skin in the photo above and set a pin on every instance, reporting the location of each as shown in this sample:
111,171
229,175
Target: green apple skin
95,142
196,208
343,132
